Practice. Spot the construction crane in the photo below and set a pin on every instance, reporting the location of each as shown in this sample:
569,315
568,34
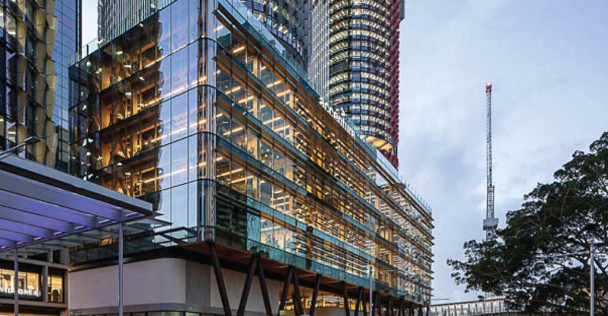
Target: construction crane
490,222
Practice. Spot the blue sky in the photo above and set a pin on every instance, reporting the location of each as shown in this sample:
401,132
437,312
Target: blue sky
547,59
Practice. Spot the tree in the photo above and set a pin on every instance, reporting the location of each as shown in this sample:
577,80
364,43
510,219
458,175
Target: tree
540,260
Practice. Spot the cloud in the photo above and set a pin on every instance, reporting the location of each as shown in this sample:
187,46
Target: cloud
546,65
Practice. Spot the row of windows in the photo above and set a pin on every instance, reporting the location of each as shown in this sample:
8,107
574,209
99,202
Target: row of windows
277,160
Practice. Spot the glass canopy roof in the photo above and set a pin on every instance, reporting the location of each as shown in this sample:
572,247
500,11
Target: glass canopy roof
42,209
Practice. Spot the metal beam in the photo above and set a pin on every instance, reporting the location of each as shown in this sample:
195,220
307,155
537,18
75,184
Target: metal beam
315,294
120,270
59,198
17,237
346,306
46,209
377,306
400,312
7,243
16,281
219,277
24,228
285,290
296,294
247,286
364,304
358,302
11,214
264,289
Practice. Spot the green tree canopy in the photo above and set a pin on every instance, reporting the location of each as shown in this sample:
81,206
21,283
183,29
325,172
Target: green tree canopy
540,260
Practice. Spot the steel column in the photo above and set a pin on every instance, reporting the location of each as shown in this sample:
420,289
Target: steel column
264,289
45,282
120,271
359,296
346,306
296,294
285,290
364,305
16,281
219,277
377,305
247,286
371,280
313,302
400,312
389,310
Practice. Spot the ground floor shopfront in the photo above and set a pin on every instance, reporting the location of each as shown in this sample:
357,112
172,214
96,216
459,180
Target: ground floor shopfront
41,287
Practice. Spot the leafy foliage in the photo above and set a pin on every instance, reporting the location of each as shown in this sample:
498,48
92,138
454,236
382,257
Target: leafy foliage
540,260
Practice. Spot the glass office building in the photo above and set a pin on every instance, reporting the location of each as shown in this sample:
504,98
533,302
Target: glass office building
37,38
318,48
27,78
67,43
116,17
364,68
196,110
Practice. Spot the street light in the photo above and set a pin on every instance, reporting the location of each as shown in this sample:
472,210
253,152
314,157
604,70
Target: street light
28,141
591,274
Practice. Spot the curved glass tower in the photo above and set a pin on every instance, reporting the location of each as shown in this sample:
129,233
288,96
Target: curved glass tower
364,63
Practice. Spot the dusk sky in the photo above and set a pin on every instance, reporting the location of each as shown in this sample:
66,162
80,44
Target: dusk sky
547,59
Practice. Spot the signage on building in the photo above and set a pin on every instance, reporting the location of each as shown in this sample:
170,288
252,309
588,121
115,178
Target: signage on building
25,292
338,116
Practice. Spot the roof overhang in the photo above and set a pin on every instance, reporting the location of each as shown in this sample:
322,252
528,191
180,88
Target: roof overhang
44,209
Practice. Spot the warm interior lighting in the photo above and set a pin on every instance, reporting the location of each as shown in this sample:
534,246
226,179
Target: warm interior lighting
247,99
165,175
270,85
230,172
233,90
238,129
282,93
238,49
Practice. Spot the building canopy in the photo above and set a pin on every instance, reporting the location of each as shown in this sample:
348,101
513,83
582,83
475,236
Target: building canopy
42,209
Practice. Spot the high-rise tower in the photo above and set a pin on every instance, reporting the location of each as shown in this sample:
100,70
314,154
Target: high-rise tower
364,68
116,17
287,20
37,40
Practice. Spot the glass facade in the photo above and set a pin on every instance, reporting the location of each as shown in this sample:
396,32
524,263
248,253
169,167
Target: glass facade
36,40
116,17
27,78
67,43
288,21
364,68
318,48
194,111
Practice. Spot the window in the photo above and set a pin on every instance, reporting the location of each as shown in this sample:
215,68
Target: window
28,284
55,288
